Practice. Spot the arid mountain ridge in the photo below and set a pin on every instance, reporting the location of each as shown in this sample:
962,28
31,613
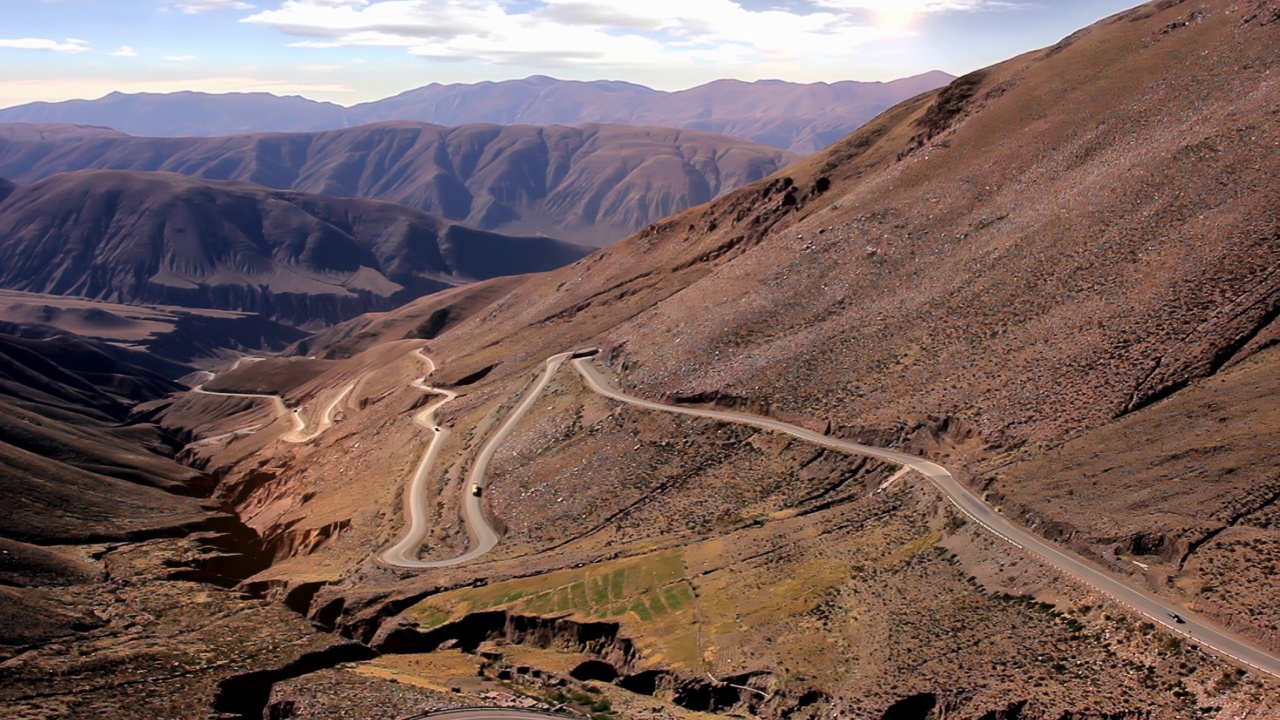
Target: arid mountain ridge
1058,276
305,260
798,117
590,185
1078,242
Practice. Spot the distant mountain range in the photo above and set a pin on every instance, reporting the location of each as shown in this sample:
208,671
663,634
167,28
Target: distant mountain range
803,118
590,185
161,238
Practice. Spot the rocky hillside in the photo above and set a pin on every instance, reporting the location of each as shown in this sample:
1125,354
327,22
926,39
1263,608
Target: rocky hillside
800,117
590,185
73,470
106,544
988,253
1010,275
161,238
1058,276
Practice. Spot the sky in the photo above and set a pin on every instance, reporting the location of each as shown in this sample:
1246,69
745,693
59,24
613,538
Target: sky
352,51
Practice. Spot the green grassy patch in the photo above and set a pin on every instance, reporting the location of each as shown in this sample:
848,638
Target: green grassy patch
647,592
652,581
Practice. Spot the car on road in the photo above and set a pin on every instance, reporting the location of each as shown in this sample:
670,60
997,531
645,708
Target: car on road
476,489
1176,617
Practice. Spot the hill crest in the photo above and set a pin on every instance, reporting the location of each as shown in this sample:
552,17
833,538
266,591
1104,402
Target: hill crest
799,117
590,185
169,239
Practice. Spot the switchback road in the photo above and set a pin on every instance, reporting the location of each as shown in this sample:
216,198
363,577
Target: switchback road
326,420
404,554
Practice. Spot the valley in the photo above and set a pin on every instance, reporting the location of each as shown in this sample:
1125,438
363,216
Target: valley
969,414
301,260
590,185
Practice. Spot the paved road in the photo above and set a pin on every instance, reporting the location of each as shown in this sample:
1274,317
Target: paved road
1194,628
404,554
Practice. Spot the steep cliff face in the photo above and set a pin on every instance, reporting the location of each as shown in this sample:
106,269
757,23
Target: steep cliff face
160,238
592,184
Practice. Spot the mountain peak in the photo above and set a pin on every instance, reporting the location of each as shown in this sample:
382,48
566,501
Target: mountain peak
799,117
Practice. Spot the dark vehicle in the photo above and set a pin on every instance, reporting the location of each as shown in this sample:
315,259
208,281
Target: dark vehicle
476,489
1176,618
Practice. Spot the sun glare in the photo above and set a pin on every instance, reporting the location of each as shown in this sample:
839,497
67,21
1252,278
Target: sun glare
893,14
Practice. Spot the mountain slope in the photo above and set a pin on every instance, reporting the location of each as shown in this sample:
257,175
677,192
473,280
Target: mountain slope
173,337
592,185
73,470
1078,244
802,118
303,259
920,265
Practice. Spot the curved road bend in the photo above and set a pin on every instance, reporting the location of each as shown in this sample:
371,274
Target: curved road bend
404,554
326,419
299,425
1195,629
275,400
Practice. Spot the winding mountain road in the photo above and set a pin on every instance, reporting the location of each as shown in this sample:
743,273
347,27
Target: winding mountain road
483,538
404,554
1198,630
298,434
326,420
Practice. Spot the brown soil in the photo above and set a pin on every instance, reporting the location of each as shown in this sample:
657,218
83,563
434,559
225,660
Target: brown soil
987,275
1057,277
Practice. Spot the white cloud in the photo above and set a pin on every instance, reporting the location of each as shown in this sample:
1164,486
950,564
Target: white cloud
605,33
125,51
901,13
194,7
70,45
